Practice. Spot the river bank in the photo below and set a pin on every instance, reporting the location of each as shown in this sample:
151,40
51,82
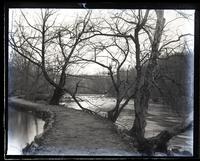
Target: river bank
73,132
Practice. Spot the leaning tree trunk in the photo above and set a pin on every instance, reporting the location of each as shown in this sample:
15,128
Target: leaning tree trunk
159,142
114,113
58,92
57,95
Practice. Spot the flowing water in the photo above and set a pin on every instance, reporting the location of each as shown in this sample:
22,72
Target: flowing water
22,128
159,117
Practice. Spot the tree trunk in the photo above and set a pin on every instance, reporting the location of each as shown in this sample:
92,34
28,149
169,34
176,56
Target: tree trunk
143,89
58,93
114,113
141,106
159,142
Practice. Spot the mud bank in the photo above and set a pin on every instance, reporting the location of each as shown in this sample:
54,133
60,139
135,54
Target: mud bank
37,110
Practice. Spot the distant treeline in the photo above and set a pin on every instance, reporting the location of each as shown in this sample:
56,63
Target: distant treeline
173,82
99,84
173,75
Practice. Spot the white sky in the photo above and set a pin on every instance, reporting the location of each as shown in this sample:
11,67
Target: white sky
66,16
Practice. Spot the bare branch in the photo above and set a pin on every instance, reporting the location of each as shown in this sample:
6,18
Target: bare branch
173,41
130,22
29,23
27,57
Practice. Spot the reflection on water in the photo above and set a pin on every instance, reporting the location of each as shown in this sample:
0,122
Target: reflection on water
22,128
159,118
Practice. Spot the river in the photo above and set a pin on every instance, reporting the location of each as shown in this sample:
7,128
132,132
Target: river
22,128
159,117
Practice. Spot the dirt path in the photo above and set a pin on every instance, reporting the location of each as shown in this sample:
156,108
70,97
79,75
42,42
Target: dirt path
75,132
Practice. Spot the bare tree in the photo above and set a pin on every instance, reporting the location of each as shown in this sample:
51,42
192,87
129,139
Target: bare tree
115,53
43,45
145,30
144,83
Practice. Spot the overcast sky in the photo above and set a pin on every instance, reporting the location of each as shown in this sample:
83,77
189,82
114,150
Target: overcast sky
65,16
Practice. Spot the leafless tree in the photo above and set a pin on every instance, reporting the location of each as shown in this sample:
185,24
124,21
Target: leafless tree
145,30
115,52
50,47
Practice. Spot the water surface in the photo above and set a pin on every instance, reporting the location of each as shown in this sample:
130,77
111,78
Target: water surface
22,128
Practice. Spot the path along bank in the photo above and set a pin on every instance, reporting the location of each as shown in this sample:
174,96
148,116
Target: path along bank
72,132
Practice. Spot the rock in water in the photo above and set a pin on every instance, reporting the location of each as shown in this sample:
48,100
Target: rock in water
175,150
187,153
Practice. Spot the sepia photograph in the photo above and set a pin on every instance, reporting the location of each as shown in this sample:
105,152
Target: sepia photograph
100,82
